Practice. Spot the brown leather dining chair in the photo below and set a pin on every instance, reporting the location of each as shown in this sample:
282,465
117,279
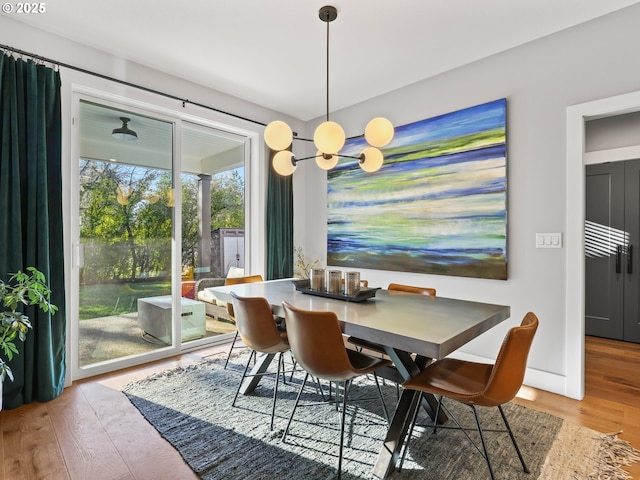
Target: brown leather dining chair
479,384
237,281
318,346
258,331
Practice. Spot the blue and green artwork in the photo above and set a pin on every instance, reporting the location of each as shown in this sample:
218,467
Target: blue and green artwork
438,205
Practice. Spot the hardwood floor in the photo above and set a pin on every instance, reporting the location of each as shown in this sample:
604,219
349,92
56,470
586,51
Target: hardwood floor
92,432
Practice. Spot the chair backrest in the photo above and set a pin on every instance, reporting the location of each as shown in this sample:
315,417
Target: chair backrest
255,324
247,279
363,283
508,371
317,343
237,281
411,289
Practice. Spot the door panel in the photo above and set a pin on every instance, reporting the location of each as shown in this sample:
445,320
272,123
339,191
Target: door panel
604,250
125,221
632,263
212,201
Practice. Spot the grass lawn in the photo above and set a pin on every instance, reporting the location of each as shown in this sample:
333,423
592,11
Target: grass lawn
99,300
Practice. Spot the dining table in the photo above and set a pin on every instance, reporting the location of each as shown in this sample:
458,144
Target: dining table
413,330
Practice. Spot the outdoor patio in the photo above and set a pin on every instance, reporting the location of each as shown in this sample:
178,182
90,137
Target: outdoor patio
117,336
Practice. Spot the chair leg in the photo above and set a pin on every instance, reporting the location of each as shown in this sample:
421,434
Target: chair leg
244,374
384,407
275,389
435,422
513,439
414,418
233,344
346,386
293,368
484,445
321,390
286,430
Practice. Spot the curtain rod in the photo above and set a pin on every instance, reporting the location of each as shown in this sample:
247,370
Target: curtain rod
129,84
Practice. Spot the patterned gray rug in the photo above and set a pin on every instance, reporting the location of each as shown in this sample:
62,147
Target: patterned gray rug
191,408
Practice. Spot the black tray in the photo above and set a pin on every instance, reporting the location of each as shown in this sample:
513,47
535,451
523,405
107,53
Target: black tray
364,293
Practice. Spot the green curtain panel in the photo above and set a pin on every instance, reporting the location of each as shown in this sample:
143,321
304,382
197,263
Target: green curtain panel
31,218
279,224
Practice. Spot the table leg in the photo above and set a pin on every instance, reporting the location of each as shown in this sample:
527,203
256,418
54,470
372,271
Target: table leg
262,363
390,451
408,367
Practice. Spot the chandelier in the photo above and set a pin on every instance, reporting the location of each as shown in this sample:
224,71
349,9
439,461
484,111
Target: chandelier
329,137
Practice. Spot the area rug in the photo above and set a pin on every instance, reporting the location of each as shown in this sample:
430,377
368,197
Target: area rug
191,409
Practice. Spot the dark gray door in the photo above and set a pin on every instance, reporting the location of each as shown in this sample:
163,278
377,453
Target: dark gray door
611,268
604,245
632,267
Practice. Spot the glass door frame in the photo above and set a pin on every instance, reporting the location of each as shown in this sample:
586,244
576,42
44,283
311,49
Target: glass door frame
253,169
190,123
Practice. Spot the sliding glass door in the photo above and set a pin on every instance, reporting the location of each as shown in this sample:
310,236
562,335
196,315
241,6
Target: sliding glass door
213,225
130,204
126,229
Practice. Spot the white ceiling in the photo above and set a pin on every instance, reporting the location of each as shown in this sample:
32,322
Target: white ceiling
204,150
273,52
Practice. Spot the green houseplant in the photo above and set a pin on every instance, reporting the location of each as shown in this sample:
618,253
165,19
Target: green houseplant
22,288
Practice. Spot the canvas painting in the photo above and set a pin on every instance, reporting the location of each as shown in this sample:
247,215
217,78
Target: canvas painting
438,205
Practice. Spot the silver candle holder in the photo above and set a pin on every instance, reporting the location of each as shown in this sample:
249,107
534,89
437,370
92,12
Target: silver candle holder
334,281
317,279
351,283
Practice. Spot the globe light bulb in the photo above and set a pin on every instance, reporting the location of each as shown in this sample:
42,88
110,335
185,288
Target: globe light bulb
329,137
372,160
379,132
324,163
283,163
278,135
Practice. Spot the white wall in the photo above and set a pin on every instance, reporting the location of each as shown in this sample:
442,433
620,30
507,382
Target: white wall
620,131
540,80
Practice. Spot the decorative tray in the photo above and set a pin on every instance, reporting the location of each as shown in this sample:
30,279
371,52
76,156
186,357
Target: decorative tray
304,286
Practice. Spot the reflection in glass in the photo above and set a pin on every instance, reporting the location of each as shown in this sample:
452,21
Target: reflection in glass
601,240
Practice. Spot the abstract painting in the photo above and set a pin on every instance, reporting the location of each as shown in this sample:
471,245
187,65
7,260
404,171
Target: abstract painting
438,205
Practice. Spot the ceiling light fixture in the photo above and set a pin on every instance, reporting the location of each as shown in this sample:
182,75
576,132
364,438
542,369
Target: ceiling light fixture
124,132
329,137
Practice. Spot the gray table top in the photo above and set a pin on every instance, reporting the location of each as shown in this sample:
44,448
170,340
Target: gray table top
430,326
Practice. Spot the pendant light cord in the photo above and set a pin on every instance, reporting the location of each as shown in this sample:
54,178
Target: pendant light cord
328,22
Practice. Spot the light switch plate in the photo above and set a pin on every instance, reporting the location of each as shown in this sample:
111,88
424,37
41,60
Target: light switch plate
548,240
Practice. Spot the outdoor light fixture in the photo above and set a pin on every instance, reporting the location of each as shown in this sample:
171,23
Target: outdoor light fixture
329,137
124,132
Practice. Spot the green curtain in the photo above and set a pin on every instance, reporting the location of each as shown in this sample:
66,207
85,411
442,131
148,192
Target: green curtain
279,224
31,218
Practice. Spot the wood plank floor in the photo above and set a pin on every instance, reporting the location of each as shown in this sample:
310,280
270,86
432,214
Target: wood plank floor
92,432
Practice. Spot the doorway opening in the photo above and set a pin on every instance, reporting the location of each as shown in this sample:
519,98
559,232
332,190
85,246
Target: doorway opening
577,115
